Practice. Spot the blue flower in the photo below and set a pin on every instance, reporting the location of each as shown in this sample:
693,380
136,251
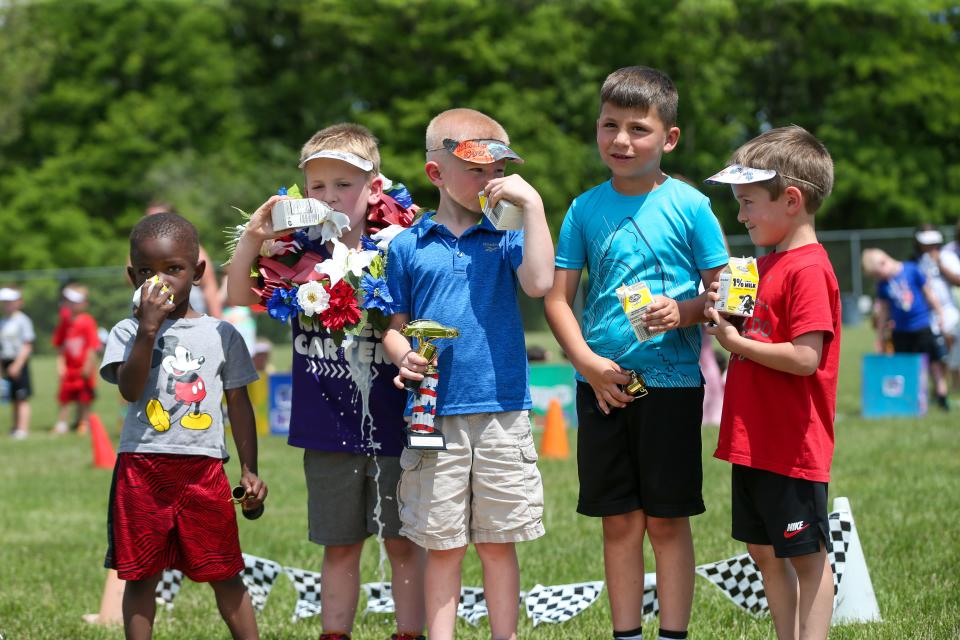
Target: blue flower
283,303
376,295
367,244
399,193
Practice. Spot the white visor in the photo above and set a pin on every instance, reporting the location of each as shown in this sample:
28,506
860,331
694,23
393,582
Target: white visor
738,174
73,295
9,295
344,156
929,236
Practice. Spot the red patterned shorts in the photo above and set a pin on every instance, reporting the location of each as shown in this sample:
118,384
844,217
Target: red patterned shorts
172,512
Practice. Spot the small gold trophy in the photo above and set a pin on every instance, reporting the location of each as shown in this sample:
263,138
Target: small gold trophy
420,430
637,387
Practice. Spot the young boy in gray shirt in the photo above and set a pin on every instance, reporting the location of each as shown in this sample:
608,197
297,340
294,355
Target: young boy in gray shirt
170,504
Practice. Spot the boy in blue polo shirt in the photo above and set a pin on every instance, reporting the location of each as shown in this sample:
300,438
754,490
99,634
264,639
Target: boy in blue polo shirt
639,457
456,268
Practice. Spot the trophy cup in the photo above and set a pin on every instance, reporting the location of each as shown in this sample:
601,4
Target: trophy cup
637,387
239,496
421,432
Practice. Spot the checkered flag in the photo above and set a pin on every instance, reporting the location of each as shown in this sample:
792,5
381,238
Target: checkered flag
169,587
841,526
562,602
307,584
651,603
473,605
259,575
379,597
740,580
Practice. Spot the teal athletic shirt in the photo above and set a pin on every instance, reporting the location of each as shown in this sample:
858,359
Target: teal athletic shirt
664,238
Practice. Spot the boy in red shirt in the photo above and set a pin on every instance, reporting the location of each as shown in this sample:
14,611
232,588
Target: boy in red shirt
77,341
780,397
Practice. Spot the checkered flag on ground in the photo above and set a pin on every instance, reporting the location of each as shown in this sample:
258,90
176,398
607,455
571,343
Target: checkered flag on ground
169,587
841,527
307,584
562,602
259,575
740,580
651,604
379,597
473,605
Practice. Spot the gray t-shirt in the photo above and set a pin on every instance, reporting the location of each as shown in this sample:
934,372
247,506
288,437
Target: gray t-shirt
194,360
15,331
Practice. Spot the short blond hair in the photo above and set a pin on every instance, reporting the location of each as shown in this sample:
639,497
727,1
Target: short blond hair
346,136
799,159
871,259
463,124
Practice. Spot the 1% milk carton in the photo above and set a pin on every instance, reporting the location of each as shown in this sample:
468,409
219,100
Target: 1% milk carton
296,213
739,282
504,215
634,299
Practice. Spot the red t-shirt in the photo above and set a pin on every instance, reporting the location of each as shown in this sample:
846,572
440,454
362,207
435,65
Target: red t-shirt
76,337
774,420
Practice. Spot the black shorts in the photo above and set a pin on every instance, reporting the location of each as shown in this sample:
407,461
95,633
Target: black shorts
644,456
922,341
771,509
20,388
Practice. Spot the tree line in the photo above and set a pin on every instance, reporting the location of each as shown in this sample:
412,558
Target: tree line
107,104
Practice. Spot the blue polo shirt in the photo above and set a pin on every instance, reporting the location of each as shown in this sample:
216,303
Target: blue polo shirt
469,283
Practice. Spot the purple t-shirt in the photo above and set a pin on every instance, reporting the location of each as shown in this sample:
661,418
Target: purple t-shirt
327,412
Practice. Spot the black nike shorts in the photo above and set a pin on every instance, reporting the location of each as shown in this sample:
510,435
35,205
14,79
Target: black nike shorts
771,509
644,456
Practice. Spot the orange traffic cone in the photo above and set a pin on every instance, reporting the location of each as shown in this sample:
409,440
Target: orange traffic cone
103,455
554,443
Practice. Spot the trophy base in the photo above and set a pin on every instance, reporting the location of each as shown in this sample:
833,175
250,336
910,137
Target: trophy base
428,441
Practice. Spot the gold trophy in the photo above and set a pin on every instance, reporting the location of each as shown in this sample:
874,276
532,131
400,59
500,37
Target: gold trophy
637,387
420,430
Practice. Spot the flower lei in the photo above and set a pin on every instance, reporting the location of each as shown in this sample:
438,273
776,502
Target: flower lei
343,293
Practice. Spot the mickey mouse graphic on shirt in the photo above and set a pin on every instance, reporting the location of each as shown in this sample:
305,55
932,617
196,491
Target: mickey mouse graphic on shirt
183,383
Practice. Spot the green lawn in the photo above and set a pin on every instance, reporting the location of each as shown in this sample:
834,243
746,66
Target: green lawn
902,478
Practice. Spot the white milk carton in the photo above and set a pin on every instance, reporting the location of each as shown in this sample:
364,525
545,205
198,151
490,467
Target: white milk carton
504,216
298,212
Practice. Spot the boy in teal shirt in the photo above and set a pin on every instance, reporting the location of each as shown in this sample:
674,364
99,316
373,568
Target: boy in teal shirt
640,226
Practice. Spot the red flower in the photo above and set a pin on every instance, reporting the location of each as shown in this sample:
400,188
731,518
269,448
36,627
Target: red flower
343,309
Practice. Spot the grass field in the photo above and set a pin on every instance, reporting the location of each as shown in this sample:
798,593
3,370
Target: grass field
902,478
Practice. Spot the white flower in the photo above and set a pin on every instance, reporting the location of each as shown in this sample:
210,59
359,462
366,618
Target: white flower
313,298
385,236
271,248
332,223
345,260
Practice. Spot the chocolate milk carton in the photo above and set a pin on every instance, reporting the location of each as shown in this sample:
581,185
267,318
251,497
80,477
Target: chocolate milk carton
739,282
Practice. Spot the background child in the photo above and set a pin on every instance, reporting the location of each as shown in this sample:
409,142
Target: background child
347,466
906,306
170,501
16,345
455,268
640,226
781,392
77,340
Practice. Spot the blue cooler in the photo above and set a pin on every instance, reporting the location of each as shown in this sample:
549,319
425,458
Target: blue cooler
279,401
894,385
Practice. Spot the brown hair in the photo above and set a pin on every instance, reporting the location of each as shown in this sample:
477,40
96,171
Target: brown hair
641,88
799,159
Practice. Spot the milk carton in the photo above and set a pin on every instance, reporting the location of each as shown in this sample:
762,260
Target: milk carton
298,212
635,298
738,287
504,216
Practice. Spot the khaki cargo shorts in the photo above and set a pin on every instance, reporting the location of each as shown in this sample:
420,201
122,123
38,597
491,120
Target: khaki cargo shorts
484,488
